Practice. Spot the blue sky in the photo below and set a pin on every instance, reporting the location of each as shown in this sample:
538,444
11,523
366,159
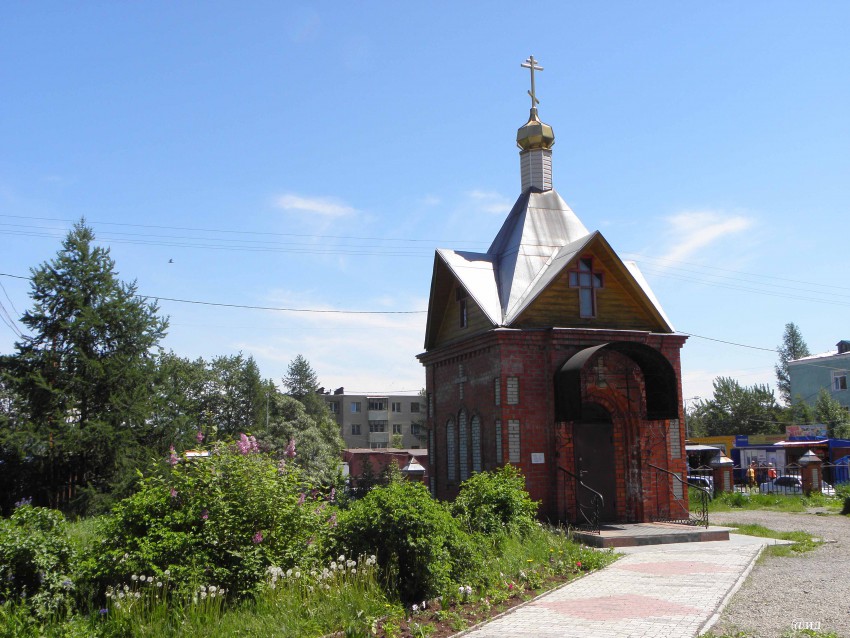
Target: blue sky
313,156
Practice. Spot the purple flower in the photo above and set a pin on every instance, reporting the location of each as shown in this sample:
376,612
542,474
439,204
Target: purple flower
103,611
247,444
290,449
258,538
205,515
199,436
332,520
333,494
302,498
173,493
281,466
173,459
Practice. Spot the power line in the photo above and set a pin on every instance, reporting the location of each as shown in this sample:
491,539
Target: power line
231,231
379,312
731,343
309,310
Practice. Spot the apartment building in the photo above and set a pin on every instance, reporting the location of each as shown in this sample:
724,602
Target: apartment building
379,421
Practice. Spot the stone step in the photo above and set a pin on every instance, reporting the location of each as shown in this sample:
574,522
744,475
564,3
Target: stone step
633,534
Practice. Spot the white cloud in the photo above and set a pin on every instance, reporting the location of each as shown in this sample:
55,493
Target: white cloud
330,207
490,202
361,352
693,231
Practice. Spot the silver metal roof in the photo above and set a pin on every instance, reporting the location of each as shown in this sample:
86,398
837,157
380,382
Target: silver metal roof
540,236
536,228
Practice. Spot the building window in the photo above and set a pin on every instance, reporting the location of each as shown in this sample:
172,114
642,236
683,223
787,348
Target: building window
451,449
414,407
463,446
333,406
675,439
678,492
588,282
498,438
513,391
396,406
378,405
355,406
396,428
355,429
462,308
497,391
513,441
839,380
476,443
378,446
377,426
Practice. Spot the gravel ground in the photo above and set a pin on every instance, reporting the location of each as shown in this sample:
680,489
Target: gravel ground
782,591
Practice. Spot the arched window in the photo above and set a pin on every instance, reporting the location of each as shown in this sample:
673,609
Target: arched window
451,462
476,443
463,446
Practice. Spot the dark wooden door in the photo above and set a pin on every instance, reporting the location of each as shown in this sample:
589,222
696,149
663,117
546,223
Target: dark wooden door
594,447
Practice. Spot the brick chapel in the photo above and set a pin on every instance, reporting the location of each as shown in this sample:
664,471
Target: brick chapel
551,353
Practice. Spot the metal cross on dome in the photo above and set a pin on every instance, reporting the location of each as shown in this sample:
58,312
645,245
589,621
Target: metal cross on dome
531,64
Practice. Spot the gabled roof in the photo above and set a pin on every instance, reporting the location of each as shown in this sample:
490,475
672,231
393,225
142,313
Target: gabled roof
539,224
540,238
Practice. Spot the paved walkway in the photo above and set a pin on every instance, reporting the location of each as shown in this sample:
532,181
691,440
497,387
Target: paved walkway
663,591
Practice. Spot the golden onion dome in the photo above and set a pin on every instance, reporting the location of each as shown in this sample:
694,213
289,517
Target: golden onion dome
535,134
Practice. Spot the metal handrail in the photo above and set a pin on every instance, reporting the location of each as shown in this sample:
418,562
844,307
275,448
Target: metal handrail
704,496
595,506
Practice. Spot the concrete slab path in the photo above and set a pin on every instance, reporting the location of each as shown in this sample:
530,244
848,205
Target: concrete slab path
655,591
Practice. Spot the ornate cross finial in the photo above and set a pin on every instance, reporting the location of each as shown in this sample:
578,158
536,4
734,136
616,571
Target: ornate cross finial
532,65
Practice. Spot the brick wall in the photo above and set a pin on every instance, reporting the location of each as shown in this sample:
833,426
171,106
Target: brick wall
533,357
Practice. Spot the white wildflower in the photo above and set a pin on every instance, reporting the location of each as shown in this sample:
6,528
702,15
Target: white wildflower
134,577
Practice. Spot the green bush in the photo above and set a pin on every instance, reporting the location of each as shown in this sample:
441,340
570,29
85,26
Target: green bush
220,520
495,503
420,548
36,560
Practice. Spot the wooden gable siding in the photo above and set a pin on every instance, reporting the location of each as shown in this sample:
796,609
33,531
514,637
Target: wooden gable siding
620,304
450,330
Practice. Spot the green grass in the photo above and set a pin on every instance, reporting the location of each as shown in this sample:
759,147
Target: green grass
802,541
731,501
307,605
792,633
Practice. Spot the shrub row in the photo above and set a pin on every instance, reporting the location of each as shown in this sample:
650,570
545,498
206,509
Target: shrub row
224,520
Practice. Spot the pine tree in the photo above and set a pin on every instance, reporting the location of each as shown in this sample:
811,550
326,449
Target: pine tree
300,379
793,347
83,378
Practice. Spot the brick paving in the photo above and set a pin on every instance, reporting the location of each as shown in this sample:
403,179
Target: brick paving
663,591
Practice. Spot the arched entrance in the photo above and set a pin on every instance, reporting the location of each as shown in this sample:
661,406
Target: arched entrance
593,440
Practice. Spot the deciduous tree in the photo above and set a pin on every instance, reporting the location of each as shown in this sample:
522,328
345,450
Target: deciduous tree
736,409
